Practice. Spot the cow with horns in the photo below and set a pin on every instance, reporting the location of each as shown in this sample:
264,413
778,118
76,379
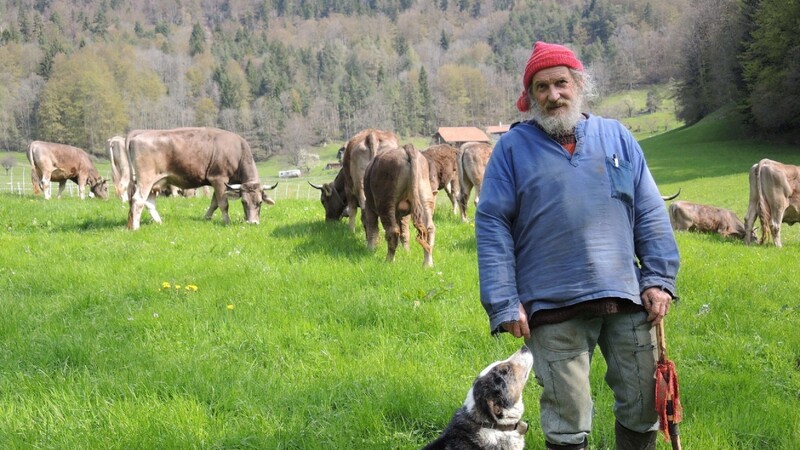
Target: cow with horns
189,158
345,194
61,162
688,216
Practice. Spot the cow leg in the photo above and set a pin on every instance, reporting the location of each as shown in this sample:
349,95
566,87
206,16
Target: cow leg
392,235
775,226
463,198
453,196
405,234
135,210
370,222
352,209
212,207
81,188
150,203
61,185
45,185
427,259
222,202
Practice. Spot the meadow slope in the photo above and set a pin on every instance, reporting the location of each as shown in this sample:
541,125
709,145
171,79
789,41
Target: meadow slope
292,335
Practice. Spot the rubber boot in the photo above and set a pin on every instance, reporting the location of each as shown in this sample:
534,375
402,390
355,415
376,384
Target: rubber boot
582,446
631,440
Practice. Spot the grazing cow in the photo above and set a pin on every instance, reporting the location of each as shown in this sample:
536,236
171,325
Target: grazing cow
60,162
443,171
471,165
687,216
358,152
774,198
120,170
332,197
396,186
190,158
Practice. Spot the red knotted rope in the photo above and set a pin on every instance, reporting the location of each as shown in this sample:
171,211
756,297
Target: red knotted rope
668,400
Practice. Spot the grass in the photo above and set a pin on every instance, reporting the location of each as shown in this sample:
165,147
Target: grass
630,107
298,337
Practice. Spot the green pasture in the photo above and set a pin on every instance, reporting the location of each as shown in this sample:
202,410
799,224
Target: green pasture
291,335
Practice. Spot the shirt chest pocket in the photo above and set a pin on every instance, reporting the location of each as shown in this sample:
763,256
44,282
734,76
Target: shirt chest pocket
620,174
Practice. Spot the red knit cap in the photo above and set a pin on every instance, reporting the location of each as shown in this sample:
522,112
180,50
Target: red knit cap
544,56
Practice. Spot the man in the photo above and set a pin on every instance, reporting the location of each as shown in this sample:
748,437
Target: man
575,251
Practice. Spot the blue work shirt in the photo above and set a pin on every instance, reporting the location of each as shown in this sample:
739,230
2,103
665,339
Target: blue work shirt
555,229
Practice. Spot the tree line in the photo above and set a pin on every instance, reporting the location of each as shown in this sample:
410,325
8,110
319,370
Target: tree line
290,74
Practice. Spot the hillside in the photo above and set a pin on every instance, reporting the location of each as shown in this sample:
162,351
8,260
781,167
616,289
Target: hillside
291,75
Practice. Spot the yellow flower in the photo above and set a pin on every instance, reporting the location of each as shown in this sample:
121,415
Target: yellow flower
230,307
191,287
165,285
177,286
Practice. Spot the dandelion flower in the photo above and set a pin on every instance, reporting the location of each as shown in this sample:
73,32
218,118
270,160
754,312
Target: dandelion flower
191,287
177,286
165,285
230,307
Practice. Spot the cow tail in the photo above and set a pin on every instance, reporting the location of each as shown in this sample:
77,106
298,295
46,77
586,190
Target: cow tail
35,181
419,213
372,142
764,213
131,169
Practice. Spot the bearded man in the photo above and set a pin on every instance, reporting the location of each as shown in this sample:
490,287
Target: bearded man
575,251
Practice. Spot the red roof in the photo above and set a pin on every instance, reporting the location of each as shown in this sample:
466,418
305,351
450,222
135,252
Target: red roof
497,129
462,134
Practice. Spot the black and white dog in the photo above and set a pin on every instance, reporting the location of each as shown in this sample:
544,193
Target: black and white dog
490,418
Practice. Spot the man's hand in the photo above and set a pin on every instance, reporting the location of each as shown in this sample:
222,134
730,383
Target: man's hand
656,302
520,327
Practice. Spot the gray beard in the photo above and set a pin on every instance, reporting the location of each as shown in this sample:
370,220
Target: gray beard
558,125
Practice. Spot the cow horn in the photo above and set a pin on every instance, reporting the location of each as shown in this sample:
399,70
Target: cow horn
672,196
269,188
315,186
235,187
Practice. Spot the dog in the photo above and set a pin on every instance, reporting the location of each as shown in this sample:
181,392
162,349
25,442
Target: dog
490,418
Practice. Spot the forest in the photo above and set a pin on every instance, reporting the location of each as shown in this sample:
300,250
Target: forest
291,74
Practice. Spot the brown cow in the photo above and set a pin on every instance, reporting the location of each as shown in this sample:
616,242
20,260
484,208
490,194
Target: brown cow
471,165
687,216
358,152
61,162
190,158
443,171
333,198
774,198
396,186
120,170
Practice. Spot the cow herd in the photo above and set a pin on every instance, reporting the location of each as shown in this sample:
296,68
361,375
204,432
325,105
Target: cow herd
394,184
390,183
774,200
147,162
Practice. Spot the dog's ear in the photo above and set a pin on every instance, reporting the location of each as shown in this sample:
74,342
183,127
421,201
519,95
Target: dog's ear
494,409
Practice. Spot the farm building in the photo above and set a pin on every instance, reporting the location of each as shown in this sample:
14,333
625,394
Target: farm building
456,136
495,131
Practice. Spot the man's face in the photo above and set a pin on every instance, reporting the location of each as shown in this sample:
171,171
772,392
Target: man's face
556,96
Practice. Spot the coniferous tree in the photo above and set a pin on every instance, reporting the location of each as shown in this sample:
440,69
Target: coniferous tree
444,41
197,40
772,67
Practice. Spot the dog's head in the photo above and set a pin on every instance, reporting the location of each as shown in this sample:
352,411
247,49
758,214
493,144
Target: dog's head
496,394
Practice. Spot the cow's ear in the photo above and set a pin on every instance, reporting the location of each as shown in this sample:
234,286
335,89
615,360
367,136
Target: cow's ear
233,191
233,194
